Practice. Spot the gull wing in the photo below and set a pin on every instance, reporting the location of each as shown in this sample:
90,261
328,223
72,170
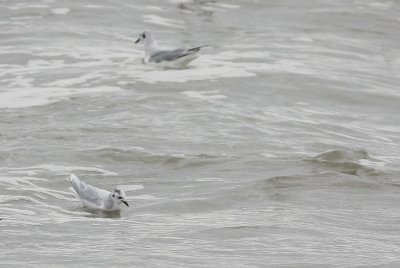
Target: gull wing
168,55
88,193
171,55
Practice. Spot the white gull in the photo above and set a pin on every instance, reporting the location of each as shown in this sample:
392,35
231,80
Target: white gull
95,198
178,58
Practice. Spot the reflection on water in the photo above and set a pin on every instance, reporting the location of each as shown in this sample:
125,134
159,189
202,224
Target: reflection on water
95,213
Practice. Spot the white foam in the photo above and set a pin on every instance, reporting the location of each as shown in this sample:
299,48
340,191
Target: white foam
62,169
303,39
143,197
19,181
24,172
73,81
49,54
27,5
161,21
60,11
238,62
21,81
156,8
135,148
180,1
8,198
223,65
236,54
40,196
33,66
28,97
133,187
50,192
200,73
57,168
268,155
223,5
380,5
274,116
302,103
210,179
19,211
372,164
204,95
178,155
125,83
94,6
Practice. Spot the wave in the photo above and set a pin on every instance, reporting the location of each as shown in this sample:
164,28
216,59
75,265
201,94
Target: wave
321,180
138,154
341,168
31,96
353,162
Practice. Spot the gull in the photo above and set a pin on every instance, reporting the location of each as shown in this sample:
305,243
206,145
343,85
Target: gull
178,58
95,198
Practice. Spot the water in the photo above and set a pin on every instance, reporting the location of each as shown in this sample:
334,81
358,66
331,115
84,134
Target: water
278,147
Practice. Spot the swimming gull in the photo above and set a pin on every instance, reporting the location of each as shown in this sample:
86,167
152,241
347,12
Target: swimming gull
178,58
95,198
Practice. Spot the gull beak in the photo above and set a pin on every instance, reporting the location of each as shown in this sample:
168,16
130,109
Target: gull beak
137,41
126,203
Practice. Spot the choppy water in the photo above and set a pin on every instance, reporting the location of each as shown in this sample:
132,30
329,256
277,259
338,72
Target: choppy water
279,147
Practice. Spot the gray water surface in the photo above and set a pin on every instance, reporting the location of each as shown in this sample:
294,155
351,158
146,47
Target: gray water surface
278,147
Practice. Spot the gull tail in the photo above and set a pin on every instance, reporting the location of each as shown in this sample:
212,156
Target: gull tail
72,178
75,183
73,192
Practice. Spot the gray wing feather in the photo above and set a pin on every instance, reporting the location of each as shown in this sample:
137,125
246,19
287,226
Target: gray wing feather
87,192
169,55
196,49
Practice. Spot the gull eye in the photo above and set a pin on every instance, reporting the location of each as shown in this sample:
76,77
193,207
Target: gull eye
113,195
144,35
119,197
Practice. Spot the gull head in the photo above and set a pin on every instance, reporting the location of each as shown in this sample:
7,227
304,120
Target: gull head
145,35
119,197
